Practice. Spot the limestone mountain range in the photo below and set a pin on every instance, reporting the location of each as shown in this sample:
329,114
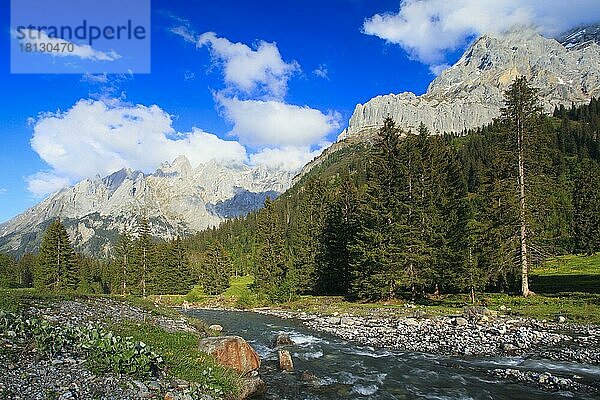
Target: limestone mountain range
180,199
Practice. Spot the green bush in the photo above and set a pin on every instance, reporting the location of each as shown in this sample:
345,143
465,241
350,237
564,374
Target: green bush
245,300
104,351
195,295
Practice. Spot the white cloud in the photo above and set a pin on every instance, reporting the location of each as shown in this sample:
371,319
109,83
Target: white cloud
42,183
84,51
185,32
287,158
2,191
94,78
100,137
274,123
283,136
250,71
189,76
321,71
427,29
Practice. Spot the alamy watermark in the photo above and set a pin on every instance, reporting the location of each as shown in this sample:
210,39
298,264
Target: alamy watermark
80,36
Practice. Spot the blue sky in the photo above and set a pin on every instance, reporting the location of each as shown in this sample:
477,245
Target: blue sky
310,61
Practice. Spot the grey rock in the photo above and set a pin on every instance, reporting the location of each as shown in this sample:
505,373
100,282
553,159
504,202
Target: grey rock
282,339
179,198
460,321
251,387
470,93
285,361
477,312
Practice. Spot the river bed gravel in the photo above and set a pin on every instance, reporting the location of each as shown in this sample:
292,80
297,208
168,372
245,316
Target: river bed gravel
478,333
27,375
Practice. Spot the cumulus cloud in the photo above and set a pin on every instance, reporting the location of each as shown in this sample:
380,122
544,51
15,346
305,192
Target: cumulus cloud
250,71
255,79
42,183
427,29
287,158
84,51
100,137
275,123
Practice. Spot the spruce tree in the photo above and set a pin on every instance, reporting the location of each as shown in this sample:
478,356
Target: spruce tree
378,251
216,269
26,267
522,114
56,262
124,258
587,208
271,255
144,259
175,274
334,255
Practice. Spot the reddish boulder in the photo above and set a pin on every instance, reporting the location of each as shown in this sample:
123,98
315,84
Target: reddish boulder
231,351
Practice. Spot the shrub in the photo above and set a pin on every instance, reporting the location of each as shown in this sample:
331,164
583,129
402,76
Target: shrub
195,295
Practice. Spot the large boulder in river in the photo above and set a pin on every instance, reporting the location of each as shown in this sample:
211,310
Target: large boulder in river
285,361
231,351
283,339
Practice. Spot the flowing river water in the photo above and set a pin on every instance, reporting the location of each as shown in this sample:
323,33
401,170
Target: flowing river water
345,370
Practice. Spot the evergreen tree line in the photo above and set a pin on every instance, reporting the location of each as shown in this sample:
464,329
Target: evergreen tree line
415,213
140,266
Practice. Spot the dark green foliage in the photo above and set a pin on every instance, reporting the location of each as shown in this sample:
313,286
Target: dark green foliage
587,208
334,258
57,267
273,273
379,249
8,269
418,213
215,269
174,272
25,269
124,278
144,260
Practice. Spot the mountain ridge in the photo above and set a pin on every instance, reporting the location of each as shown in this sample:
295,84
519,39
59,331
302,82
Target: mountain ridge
469,93
177,198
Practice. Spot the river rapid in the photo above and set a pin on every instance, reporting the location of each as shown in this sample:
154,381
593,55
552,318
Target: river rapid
337,369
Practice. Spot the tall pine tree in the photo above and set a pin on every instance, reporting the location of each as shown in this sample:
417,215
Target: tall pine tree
521,114
56,262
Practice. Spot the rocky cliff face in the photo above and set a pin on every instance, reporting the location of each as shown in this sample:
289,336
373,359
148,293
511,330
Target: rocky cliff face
470,93
177,198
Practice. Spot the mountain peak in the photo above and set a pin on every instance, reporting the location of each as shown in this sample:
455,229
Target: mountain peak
178,200
470,93
580,37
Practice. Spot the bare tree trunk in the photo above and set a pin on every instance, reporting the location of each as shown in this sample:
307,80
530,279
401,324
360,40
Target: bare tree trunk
144,273
124,274
522,205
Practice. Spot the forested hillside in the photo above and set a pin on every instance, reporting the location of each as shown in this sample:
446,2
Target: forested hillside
415,213
401,215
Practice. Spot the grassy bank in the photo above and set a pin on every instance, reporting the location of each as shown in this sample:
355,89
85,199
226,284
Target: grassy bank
566,286
179,350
